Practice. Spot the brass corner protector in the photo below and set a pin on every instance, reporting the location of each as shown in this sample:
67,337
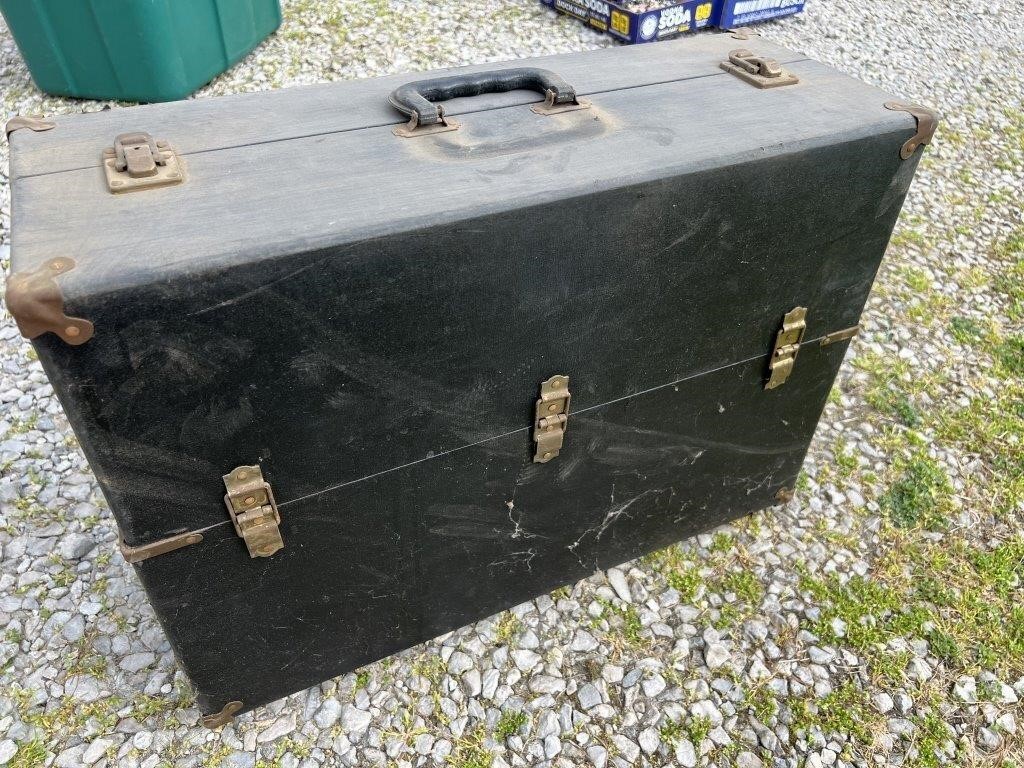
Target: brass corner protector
785,495
36,302
223,717
743,33
32,123
927,121
161,547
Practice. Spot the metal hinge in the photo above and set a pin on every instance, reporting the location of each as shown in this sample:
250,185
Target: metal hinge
757,70
250,502
137,161
787,347
551,416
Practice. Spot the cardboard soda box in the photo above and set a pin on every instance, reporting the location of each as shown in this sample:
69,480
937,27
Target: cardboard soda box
740,13
632,26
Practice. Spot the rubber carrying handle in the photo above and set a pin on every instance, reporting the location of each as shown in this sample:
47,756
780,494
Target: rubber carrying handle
415,100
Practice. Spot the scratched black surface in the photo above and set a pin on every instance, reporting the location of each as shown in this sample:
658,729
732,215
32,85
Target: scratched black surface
378,566
327,367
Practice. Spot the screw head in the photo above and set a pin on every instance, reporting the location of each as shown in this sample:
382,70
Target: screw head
72,331
250,500
547,455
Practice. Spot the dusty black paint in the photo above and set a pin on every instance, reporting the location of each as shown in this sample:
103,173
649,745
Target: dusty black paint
372,568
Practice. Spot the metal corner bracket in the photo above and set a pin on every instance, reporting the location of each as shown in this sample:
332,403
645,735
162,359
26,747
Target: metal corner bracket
743,33
162,547
36,302
551,416
757,70
223,717
32,123
253,511
927,121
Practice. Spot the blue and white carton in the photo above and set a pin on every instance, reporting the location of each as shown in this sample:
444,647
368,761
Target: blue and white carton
638,26
739,13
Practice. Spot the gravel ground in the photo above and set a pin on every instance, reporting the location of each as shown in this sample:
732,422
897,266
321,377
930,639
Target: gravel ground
877,619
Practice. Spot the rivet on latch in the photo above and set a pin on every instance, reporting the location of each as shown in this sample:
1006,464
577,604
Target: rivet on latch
551,415
251,505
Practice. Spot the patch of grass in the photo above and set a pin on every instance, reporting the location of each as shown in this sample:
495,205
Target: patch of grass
508,627
686,582
934,740
31,754
845,459
1010,355
967,602
430,666
145,707
697,730
67,715
681,573
469,752
362,680
631,626
510,723
894,402
845,710
745,585
921,495
965,330
761,702
672,731
1011,284
721,543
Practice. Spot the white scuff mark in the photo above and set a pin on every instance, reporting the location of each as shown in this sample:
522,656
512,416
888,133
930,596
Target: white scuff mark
610,518
523,557
518,532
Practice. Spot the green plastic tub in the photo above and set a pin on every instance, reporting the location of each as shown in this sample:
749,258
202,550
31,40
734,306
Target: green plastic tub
135,50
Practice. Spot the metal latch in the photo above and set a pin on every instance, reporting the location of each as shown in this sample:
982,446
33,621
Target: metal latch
787,346
757,70
551,416
137,161
250,502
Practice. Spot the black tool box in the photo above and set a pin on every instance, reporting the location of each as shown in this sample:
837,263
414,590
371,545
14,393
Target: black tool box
357,364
